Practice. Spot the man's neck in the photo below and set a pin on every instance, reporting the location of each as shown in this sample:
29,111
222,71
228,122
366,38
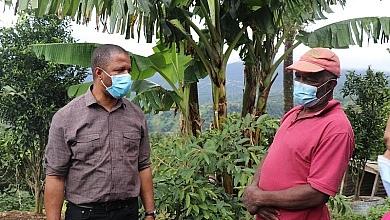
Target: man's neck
306,112
106,101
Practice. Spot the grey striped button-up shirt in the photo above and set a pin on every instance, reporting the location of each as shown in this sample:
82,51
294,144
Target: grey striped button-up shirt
99,153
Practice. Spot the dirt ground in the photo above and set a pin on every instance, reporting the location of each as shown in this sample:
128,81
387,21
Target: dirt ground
18,215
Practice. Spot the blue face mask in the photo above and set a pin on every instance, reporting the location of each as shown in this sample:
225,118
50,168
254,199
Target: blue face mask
306,95
120,86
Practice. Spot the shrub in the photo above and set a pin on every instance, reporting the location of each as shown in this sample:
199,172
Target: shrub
378,211
369,94
15,199
187,170
339,205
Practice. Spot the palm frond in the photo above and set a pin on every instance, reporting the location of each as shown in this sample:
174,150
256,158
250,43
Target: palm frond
66,53
115,16
348,32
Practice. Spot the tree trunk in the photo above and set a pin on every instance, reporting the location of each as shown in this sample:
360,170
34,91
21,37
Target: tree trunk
220,115
194,115
262,98
249,97
288,76
359,181
185,122
219,102
37,162
38,198
228,183
38,195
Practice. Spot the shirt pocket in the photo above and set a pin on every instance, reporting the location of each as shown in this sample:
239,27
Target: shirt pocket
87,148
131,143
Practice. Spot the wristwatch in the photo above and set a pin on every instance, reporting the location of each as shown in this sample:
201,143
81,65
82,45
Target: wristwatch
152,213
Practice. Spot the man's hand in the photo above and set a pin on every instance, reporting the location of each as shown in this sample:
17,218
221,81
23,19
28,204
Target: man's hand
149,218
249,199
268,213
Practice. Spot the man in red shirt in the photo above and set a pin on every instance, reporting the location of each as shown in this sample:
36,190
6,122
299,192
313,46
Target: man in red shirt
310,152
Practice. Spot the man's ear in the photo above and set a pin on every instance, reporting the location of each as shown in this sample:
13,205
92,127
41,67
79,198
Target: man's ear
98,73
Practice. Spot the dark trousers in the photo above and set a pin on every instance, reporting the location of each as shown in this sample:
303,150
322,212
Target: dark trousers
118,210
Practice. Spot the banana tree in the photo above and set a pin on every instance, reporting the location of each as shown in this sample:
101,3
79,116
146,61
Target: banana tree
287,74
260,49
211,46
169,63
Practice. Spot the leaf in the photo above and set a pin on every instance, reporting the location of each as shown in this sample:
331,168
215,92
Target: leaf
23,5
188,201
78,90
152,97
66,53
211,4
178,25
349,32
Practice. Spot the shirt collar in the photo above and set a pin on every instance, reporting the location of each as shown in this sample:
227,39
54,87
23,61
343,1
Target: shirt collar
331,104
90,100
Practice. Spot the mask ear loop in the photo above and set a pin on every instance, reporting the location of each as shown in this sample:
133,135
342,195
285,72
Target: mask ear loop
319,99
101,78
326,83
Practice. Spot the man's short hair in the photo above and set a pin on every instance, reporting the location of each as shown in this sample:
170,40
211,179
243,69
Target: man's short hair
102,55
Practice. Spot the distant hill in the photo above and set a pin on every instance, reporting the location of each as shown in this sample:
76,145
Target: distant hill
235,83
235,86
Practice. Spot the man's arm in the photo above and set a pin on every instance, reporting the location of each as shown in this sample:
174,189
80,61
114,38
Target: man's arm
147,194
387,135
54,196
256,177
295,198
264,212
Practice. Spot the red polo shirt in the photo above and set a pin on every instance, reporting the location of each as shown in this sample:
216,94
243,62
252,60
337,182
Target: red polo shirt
313,150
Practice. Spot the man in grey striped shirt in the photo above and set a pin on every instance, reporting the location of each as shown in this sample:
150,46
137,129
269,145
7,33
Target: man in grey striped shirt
98,153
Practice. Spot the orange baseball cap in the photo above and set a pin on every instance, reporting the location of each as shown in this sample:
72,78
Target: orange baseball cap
316,60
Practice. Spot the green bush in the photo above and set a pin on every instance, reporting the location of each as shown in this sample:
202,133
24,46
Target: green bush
15,199
181,190
187,171
339,205
369,94
347,216
378,211
375,213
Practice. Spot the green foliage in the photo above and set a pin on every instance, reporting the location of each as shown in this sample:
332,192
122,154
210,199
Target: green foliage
378,211
182,191
339,205
341,209
348,32
10,159
184,169
15,199
375,213
163,122
348,216
31,90
369,95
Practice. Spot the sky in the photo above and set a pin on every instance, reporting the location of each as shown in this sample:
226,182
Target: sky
353,58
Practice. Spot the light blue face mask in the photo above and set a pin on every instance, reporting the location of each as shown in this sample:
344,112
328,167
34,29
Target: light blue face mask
384,170
306,95
120,86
